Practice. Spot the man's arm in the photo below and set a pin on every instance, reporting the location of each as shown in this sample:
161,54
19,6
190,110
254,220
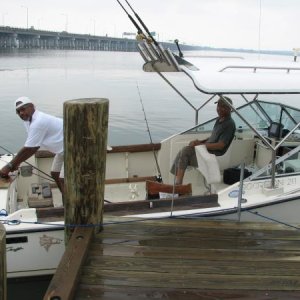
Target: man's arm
21,156
197,142
215,146
210,146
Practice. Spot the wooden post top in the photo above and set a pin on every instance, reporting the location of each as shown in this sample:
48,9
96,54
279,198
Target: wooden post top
83,101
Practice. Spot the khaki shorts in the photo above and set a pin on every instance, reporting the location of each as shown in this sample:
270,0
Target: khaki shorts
185,157
58,164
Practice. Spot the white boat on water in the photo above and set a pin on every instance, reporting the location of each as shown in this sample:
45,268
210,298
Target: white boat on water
267,145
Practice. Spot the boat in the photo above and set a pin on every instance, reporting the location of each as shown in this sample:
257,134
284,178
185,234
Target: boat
262,161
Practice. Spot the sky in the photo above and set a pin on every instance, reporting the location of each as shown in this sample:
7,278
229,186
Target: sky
246,24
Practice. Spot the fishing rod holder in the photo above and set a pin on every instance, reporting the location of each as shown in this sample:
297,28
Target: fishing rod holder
157,59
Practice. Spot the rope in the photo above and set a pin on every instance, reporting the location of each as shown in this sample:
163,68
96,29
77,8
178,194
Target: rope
271,219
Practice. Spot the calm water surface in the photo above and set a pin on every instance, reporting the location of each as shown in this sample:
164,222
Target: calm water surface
52,77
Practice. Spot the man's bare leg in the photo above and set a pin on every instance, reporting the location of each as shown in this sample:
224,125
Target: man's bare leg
59,181
179,176
62,185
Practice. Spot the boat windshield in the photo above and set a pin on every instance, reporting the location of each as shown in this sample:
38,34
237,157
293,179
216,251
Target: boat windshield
264,116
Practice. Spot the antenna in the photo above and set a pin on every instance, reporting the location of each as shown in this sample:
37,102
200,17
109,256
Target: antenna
179,50
259,28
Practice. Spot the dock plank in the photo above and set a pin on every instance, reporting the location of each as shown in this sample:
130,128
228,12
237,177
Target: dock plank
133,293
156,279
195,265
191,232
211,254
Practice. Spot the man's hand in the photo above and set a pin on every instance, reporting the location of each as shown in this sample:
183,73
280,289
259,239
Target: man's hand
10,167
4,172
195,143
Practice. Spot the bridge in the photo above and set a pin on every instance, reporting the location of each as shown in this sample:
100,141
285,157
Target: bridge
21,38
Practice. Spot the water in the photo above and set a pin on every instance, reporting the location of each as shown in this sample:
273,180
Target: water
24,289
52,77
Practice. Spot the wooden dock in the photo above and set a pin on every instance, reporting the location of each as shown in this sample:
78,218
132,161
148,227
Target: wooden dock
180,259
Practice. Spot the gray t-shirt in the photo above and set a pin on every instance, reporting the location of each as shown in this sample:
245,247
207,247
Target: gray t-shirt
222,131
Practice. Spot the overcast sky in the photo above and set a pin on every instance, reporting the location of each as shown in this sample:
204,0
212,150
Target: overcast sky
264,24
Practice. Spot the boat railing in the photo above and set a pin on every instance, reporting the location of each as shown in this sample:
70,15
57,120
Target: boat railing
214,56
255,68
269,166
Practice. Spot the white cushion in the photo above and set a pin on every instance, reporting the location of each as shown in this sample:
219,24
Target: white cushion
208,165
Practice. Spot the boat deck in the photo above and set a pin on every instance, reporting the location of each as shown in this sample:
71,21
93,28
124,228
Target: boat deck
181,259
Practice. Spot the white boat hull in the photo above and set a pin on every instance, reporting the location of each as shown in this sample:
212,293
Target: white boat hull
34,252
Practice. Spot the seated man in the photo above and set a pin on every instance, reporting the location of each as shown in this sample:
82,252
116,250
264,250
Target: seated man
218,143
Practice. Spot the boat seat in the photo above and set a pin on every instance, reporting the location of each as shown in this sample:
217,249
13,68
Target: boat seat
212,166
263,155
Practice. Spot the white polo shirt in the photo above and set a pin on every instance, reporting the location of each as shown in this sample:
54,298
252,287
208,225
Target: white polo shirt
45,131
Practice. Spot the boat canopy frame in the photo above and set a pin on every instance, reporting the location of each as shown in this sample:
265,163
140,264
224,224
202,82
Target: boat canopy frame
166,61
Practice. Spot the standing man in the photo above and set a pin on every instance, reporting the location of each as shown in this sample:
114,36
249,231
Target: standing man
44,132
218,143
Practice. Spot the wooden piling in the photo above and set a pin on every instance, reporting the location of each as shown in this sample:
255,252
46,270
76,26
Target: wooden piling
3,284
85,142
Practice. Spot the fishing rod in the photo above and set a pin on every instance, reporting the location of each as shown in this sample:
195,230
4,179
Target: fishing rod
159,177
132,19
143,24
29,164
141,35
151,36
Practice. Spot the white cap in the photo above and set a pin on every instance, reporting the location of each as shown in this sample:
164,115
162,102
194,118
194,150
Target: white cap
22,101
